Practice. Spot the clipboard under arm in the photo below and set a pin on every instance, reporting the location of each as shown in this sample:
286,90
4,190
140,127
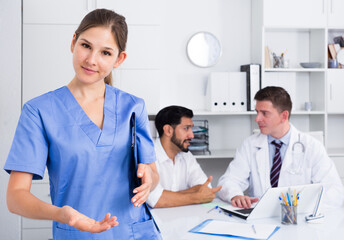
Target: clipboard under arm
135,162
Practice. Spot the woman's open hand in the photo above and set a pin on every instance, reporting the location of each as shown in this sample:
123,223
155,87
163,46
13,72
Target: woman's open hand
80,221
144,172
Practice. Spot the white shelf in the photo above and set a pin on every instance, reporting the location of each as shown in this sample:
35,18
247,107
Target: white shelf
294,69
335,69
298,112
335,113
338,28
210,113
218,153
268,28
335,152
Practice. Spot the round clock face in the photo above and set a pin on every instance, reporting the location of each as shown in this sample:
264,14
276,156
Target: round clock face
204,49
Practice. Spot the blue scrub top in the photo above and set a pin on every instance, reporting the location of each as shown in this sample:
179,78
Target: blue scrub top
89,169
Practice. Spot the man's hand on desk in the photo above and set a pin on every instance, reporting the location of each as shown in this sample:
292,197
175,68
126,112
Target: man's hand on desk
204,193
198,194
243,201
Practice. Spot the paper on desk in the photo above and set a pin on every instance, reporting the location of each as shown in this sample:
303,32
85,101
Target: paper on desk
214,204
231,229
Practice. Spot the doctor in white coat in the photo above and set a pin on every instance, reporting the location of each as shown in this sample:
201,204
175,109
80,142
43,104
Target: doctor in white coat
304,159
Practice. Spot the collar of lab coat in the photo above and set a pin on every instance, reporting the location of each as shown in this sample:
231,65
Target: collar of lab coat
288,158
262,140
262,156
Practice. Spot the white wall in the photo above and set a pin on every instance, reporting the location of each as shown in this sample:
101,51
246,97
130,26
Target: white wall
230,20
157,67
10,102
176,78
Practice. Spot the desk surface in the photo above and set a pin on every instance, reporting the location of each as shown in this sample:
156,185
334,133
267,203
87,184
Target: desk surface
175,223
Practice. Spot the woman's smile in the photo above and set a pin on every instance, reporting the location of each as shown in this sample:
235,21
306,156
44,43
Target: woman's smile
88,70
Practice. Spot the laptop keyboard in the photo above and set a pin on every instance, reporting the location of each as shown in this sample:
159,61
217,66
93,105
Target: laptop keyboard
245,210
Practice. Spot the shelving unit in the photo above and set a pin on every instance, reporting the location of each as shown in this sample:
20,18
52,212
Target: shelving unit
335,105
305,41
335,96
226,147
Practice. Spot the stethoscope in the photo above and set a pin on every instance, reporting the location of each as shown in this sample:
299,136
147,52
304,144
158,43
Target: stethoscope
298,146
298,151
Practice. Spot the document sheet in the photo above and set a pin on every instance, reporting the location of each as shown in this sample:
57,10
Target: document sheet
232,229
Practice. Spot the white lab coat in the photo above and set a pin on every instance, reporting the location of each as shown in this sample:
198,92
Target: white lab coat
250,169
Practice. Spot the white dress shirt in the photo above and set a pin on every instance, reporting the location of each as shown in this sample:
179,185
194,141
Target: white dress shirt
183,174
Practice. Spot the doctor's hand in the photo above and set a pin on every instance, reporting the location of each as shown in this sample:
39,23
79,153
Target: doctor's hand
80,221
145,172
204,193
243,201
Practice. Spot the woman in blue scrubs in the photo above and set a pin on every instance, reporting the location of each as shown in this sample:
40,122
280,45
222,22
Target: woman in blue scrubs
82,134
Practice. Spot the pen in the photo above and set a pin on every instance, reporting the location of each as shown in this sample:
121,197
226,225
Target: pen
254,229
291,197
282,54
216,207
295,198
285,200
226,213
288,199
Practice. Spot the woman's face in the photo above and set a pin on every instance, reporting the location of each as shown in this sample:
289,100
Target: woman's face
95,54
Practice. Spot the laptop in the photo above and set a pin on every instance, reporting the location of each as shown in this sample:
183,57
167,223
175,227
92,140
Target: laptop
269,204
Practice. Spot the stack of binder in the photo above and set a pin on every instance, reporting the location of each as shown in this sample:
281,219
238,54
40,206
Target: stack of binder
226,91
233,91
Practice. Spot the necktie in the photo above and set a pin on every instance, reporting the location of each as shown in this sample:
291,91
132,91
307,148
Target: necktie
276,166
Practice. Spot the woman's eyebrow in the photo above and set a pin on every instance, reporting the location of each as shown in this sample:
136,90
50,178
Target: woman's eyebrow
85,40
88,42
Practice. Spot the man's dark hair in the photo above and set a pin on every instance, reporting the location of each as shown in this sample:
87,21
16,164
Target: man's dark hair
279,98
172,116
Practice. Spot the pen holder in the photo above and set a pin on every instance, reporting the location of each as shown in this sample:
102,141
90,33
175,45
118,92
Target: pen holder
288,214
278,61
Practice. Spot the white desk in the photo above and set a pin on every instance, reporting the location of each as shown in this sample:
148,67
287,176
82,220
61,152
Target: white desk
175,223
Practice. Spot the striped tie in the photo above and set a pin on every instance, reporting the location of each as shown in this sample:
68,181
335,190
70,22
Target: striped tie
276,166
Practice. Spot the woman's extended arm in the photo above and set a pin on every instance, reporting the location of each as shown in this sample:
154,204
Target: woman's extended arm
22,202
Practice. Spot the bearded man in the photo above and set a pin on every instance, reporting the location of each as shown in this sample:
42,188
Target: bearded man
182,181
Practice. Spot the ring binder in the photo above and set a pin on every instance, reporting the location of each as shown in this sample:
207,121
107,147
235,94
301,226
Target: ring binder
253,83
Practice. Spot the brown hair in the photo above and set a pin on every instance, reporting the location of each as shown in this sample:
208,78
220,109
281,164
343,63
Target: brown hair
279,98
110,19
